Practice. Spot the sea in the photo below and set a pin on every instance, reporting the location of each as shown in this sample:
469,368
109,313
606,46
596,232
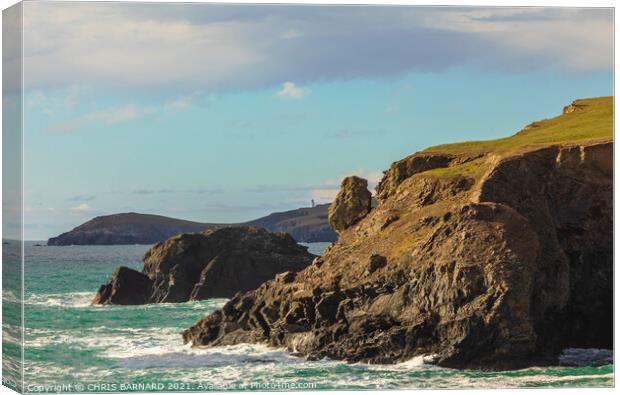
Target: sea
71,346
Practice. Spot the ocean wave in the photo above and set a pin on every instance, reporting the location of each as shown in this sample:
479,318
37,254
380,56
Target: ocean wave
159,353
156,351
506,381
11,333
190,357
10,296
154,347
112,340
84,299
340,375
416,362
209,304
69,299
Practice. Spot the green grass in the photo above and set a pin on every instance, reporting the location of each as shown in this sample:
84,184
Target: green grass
593,122
468,169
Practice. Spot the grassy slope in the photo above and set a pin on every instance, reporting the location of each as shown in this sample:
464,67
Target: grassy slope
592,122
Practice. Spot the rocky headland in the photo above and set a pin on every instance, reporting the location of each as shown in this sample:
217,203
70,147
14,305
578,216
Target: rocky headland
492,254
213,264
127,228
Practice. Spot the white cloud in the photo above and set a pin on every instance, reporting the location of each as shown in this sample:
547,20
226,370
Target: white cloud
291,91
51,103
538,33
184,101
62,104
83,207
105,44
177,104
117,115
235,47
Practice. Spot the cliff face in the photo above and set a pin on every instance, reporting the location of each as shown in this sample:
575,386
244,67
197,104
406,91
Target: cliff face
566,194
214,264
484,255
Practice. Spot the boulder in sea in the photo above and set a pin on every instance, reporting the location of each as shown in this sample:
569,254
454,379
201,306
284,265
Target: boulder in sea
213,264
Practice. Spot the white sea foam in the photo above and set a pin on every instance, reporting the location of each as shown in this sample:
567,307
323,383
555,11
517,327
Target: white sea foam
84,299
418,361
70,299
110,339
9,296
188,357
11,333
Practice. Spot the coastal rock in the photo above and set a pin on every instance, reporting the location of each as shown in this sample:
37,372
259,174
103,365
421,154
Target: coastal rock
505,265
352,203
214,264
572,108
407,167
126,286
566,195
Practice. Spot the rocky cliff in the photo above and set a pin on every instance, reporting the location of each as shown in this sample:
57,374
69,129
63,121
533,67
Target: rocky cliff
214,264
493,255
304,224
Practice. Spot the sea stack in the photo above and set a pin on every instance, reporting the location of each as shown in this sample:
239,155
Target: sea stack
352,203
213,264
491,255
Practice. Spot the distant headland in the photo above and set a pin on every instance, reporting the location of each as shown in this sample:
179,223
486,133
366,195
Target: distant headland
308,224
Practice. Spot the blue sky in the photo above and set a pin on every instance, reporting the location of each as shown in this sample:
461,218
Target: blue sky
228,113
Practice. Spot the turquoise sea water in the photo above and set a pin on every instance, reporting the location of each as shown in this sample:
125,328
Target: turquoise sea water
74,347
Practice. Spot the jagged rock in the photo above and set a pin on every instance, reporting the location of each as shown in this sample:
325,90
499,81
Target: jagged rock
572,108
126,286
500,271
405,168
376,262
214,264
352,203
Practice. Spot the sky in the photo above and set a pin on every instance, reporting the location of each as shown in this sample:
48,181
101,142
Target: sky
225,113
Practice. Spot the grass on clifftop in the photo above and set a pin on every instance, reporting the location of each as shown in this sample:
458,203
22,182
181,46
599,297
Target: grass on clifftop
592,121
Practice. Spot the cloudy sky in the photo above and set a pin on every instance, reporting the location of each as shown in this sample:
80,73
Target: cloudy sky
222,113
